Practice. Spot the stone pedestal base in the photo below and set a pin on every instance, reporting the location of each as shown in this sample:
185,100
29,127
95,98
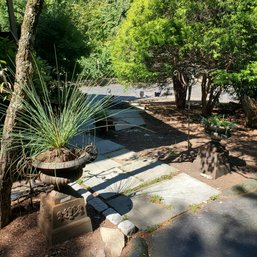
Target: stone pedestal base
214,160
62,216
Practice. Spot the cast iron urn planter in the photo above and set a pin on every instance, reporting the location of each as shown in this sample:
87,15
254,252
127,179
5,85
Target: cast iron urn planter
63,212
61,173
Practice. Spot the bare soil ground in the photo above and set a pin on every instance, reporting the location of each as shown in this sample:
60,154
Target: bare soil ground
22,237
164,137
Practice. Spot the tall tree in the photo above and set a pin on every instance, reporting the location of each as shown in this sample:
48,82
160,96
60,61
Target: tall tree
22,77
182,39
61,38
151,45
12,19
103,18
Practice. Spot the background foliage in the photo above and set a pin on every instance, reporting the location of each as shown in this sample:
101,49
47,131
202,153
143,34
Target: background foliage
147,40
215,37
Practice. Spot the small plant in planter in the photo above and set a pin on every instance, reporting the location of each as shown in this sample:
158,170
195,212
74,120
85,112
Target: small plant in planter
218,127
45,132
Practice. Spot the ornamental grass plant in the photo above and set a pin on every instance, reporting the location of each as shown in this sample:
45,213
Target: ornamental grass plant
47,127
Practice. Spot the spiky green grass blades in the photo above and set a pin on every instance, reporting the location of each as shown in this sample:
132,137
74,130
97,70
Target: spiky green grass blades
45,125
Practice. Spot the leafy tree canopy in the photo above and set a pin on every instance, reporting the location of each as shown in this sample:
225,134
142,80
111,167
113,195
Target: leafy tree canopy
103,17
158,37
60,34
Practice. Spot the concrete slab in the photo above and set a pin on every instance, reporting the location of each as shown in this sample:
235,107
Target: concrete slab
138,209
223,228
249,185
137,121
102,179
120,186
84,139
79,141
180,192
139,166
124,113
120,125
99,165
161,169
177,195
110,182
122,204
106,146
123,156
147,170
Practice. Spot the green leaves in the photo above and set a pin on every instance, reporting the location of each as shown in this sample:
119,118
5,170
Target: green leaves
59,32
103,19
153,36
218,37
44,125
218,121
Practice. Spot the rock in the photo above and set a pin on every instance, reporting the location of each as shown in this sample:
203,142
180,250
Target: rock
127,227
136,248
100,253
76,186
86,195
114,240
92,253
114,217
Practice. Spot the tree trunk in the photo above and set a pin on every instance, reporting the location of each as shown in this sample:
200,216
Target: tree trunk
22,77
12,19
204,92
180,90
210,95
250,109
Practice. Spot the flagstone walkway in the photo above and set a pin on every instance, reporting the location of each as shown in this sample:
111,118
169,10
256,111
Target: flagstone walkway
147,192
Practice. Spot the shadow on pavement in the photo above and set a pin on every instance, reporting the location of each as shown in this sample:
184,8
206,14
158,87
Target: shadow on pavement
226,230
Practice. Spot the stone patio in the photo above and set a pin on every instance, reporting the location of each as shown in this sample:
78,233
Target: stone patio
129,184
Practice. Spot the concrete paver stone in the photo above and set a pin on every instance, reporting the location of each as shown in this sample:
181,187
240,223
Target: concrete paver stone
137,121
139,166
122,156
176,194
122,204
120,186
106,146
114,217
113,180
181,191
124,113
85,139
143,213
98,204
127,227
226,227
157,171
121,125
100,165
